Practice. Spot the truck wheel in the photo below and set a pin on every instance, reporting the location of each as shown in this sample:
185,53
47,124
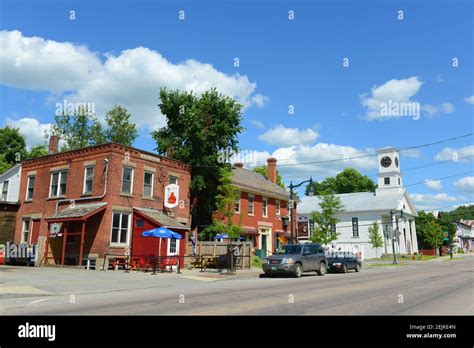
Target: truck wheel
298,271
322,269
357,267
344,268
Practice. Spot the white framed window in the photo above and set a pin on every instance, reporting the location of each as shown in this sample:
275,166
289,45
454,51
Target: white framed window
237,203
88,179
148,184
127,180
264,206
251,200
355,227
173,179
386,181
173,247
30,187
25,231
58,184
277,209
120,229
5,190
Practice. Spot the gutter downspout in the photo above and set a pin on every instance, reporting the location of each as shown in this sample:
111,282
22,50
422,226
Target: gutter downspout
88,198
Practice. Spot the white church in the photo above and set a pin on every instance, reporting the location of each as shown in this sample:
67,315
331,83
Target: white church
390,206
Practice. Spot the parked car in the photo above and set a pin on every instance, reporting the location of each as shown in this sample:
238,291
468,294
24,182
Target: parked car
342,261
295,259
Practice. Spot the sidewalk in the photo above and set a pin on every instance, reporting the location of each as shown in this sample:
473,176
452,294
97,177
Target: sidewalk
212,274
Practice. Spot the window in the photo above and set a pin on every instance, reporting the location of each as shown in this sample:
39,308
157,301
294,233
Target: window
355,227
173,180
30,187
5,191
251,201
148,184
120,229
386,181
277,209
310,248
264,206
172,246
127,180
25,232
399,181
88,179
58,184
237,203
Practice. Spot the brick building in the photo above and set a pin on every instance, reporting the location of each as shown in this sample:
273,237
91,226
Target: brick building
93,202
262,208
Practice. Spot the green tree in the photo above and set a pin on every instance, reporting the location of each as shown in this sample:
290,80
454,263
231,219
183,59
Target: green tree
119,129
12,146
198,131
325,220
375,237
225,200
463,212
347,181
264,171
429,230
84,129
37,151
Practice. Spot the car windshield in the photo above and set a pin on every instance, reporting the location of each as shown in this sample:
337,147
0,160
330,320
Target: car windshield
289,249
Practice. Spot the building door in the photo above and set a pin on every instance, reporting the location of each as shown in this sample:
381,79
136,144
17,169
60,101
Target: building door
265,241
35,231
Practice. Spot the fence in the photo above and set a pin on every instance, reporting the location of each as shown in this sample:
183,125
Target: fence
242,251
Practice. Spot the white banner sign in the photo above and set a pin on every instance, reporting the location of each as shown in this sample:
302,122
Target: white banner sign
171,196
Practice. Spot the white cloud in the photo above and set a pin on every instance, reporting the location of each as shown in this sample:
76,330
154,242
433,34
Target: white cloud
297,162
132,78
282,136
433,110
413,153
31,129
258,124
433,184
440,197
470,99
398,91
465,184
463,154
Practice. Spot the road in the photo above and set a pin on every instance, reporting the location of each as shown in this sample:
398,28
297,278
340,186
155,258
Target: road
424,288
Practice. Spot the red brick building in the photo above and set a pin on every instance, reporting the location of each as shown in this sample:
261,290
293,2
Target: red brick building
262,208
96,201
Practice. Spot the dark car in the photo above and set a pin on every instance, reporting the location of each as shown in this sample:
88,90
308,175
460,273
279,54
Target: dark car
343,261
295,259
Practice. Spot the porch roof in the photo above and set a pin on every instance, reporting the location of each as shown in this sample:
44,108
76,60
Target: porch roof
161,218
77,213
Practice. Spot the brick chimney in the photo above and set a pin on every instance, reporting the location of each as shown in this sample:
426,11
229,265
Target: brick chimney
53,144
272,169
238,165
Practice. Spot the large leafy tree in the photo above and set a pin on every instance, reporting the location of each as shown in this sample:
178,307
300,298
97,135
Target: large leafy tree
429,231
83,129
198,130
119,128
264,171
13,148
375,237
225,200
347,181
325,220
463,212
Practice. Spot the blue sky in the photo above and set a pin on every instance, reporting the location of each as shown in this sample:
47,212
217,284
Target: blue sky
121,52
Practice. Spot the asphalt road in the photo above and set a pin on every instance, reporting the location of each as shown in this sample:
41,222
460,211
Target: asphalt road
425,288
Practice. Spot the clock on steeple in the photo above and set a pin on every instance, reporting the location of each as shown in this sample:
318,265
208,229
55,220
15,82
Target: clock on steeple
389,176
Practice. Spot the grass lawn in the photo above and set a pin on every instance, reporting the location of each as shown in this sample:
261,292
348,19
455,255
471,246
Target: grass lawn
417,258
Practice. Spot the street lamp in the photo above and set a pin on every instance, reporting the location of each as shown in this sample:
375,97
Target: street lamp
402,216
292,187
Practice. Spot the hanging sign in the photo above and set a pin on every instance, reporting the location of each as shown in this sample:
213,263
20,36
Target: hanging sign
171,195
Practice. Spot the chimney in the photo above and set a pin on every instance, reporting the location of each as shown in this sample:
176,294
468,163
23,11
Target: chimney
272,169
238,165
53,144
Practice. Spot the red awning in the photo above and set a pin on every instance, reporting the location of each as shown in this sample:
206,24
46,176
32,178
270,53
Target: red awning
250,231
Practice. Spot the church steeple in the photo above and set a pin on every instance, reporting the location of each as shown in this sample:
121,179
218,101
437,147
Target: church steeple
389,176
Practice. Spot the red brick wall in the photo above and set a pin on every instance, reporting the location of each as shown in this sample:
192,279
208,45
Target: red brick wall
116,154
